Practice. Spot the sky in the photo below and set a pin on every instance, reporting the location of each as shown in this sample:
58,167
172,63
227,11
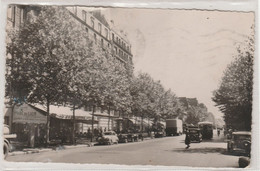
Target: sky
187,50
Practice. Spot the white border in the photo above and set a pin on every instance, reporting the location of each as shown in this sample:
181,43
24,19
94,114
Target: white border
225,5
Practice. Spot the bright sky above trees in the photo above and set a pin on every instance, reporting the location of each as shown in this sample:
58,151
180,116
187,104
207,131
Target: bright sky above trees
187,50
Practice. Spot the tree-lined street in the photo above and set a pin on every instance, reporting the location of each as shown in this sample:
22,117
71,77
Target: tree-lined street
168,151
63,60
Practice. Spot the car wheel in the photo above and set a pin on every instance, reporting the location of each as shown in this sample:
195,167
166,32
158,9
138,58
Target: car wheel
6,151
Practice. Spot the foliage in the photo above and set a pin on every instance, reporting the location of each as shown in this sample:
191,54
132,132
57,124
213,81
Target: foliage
234,95
54,61
150,99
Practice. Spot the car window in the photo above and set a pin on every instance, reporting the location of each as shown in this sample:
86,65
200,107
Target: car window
242,137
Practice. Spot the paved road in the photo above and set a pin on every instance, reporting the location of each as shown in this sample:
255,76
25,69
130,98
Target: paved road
168,151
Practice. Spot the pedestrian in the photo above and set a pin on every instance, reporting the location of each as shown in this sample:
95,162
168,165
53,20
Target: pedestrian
218,132
187,140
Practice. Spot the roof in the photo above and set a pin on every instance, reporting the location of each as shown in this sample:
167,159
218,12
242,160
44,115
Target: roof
241,133
65,112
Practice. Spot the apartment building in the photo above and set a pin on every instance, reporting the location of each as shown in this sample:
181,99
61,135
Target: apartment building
100,31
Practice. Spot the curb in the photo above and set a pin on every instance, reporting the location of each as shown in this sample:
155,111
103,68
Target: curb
31,151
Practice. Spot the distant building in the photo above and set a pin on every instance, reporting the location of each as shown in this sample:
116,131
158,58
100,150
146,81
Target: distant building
187,102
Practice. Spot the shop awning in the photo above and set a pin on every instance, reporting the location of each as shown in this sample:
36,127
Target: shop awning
65,112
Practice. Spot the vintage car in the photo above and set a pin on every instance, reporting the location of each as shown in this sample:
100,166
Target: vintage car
159,134
126,137
240,142
122,138
130,136
7,146
195,135
108,138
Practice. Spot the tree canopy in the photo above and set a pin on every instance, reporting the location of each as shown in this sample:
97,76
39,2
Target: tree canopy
234,95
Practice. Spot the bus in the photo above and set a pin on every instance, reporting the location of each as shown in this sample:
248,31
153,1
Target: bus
206,129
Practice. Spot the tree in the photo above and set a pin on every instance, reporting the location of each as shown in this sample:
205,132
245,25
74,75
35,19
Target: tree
45,54
141,90
234,95
117,95
151,100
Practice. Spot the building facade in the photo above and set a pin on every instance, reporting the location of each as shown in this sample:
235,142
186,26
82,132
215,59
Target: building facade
98,30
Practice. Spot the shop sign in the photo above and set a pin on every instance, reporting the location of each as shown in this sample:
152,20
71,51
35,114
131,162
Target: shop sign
26,114
71,117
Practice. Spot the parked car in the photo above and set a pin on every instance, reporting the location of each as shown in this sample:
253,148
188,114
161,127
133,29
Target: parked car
122,138
159,134
108,138
7,146
195,135
240,142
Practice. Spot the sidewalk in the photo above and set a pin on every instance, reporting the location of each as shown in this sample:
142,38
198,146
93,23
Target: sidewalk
57,148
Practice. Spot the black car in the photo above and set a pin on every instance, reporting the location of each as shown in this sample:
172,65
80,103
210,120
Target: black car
195,135
240,142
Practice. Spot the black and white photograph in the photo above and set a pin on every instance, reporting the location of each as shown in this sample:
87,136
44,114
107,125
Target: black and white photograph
126,86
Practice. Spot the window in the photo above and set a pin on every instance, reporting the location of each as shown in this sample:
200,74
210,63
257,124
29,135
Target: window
21,16
11,12
99,28
92,22
113,36
84,16
102,42
106,33
95,37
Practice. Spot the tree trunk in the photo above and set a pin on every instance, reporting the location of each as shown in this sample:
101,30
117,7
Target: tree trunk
92,124
48,123
142,122
73,130
108,125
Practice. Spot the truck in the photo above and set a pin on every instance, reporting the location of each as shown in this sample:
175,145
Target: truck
7,146
173,127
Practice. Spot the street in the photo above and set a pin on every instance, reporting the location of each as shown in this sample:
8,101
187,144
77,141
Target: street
168,151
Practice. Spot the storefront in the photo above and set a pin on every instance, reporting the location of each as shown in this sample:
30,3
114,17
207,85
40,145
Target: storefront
61,122
27,122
